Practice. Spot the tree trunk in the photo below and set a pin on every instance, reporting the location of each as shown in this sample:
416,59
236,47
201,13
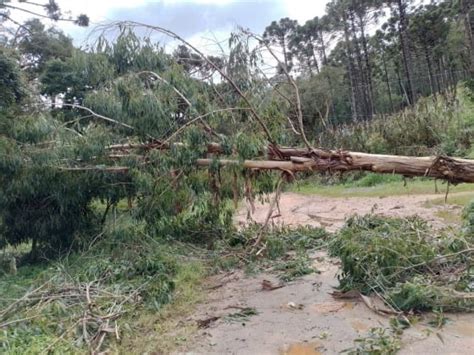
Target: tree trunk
301,159
406,55
368,66
430,70
361,73
323,48
387,81
350,69
467,14
445,168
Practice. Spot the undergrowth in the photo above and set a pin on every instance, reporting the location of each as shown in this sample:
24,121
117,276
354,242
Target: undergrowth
407,263
119,288
85,300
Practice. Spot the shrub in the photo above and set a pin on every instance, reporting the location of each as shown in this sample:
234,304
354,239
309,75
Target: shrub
402,260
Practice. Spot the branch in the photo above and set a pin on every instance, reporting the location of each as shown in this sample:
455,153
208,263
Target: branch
99,116
167,83
211,63
187,124
293,83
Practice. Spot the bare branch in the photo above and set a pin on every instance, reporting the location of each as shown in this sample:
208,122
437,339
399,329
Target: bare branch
293,83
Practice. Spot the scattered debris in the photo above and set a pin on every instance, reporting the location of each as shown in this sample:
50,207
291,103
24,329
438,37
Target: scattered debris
243,315
376,304
293,305
351,294
205,323
269,286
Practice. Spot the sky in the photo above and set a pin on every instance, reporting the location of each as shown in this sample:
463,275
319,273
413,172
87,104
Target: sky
203,22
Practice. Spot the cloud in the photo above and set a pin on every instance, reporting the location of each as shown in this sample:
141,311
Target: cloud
193,19
189,18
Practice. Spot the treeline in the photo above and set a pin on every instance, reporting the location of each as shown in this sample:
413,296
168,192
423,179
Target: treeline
369,57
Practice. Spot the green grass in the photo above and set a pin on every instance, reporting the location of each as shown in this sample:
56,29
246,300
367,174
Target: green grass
414,186
164,331
461,200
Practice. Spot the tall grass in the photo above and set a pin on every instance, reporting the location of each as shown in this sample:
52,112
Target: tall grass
435,125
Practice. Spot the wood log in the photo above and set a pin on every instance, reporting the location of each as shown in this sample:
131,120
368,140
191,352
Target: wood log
454,170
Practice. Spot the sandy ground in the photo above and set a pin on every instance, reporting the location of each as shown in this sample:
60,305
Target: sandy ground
303,317
331,212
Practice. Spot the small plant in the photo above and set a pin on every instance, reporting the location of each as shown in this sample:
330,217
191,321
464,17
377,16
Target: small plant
242,315
379,341
292,269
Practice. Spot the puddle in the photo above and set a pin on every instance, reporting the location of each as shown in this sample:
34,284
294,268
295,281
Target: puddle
302,349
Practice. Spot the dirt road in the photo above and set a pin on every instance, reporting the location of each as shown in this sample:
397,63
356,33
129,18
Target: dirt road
302,317
330,212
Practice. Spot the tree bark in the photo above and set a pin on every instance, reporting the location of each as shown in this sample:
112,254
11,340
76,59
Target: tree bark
445,168
294,159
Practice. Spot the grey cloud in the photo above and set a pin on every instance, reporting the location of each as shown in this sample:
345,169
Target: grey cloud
187,19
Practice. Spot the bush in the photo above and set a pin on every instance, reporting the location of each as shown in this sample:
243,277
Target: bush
402,260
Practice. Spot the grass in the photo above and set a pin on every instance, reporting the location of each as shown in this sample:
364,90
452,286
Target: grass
461,200
165,331
416,186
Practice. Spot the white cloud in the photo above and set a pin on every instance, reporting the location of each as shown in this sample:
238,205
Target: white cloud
304,10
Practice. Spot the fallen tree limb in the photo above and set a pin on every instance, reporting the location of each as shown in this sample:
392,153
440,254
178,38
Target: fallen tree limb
454,170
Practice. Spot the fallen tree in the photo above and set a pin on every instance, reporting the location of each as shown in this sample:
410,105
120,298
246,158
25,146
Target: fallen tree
454,170
446,168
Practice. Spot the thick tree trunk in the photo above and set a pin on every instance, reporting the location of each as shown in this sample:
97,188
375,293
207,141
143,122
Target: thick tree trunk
301,159
445,168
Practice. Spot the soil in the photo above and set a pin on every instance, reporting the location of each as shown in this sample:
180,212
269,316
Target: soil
303,317
331,212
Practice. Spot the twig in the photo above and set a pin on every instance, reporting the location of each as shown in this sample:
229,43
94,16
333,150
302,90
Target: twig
269,214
